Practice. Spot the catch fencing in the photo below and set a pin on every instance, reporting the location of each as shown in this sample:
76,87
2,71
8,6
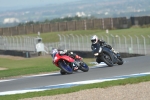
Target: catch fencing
18,43
136,44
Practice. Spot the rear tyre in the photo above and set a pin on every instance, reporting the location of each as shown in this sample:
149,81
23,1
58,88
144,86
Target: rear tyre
62,72
65,67
107,59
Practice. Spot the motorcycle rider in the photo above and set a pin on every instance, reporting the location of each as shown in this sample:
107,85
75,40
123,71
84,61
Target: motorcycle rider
64,52
94,40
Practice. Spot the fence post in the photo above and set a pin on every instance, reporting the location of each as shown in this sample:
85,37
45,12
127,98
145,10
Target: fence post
125,41
137,43
130,49
69,41
119,41
60,40
4,39
73,40
107,39
113,41
78,42
82,42
64,40
9,42
87,40
144,44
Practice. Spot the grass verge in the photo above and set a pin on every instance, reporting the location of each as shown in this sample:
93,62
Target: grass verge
77,88
26,66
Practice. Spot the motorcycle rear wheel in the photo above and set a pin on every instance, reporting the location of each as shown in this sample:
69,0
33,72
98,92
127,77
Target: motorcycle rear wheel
107,59
62,72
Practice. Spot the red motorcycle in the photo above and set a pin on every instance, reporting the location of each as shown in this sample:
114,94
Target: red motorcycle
67,64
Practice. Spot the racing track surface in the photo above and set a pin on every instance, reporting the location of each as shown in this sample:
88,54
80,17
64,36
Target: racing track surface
132,65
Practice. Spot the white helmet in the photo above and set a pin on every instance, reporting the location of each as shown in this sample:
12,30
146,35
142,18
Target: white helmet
94,39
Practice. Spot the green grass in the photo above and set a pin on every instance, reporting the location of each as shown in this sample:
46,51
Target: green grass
26,66
53,36
77,88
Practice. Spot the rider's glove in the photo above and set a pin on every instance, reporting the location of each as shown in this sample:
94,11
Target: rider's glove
65,51
78,57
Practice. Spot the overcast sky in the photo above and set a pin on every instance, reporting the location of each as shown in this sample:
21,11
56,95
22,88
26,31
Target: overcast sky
15,4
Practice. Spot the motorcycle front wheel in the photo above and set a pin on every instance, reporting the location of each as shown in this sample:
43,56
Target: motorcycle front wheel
84,67
120,61
65,67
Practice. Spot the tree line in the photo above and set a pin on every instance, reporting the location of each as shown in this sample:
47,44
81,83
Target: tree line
77,18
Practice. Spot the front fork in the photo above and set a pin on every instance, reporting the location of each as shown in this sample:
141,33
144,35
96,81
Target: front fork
116,57
76,64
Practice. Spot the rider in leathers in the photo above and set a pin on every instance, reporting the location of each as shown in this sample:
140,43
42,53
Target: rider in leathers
64,52
95,40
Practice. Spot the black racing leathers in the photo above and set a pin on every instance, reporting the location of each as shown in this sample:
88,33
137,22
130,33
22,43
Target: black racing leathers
102,43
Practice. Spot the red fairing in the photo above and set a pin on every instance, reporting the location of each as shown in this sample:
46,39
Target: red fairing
64,57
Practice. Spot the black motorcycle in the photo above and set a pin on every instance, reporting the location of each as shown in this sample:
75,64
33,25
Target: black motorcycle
104,54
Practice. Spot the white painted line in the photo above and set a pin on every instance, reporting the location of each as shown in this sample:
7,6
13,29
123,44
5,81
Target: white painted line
42,75
7,80
96,66
66,85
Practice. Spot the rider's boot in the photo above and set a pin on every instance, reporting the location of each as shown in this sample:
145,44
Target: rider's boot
116,52
75,68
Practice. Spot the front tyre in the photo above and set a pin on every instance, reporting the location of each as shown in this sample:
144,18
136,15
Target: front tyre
120,61
65,67
84,67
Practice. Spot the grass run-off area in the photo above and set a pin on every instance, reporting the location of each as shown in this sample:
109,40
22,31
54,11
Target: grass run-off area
76,88
18,66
